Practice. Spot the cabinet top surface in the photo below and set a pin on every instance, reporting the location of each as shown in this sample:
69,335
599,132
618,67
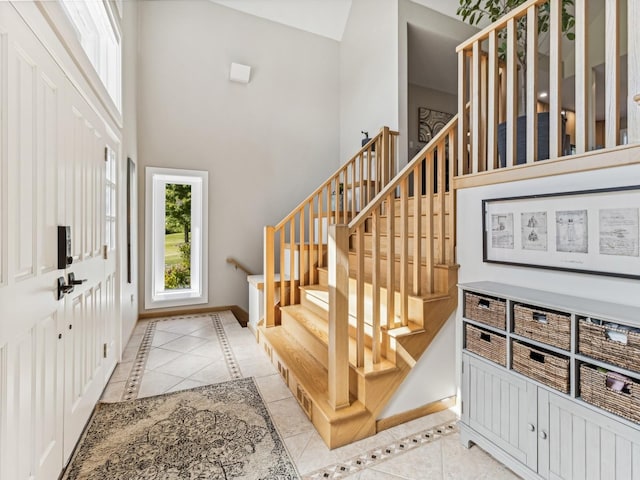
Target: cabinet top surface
627,314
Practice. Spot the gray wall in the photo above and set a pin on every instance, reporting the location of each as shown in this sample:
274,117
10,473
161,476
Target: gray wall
266,145
427,19
429,98
129,292
368,72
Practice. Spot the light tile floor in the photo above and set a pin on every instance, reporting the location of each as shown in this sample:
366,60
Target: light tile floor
187,352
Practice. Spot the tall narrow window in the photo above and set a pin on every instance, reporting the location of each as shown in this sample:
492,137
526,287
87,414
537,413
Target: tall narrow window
176,237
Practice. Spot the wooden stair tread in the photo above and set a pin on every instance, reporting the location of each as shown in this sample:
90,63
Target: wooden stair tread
319,327
408,330
309,373
321,292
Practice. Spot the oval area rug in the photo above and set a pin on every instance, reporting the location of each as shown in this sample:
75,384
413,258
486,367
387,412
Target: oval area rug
219,431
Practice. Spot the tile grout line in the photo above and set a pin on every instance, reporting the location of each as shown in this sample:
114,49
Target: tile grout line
379,455
132,385
232,364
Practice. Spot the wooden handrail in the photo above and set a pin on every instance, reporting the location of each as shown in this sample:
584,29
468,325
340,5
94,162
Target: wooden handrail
296,246
427,174
238,265
502,22
492,80
366,147
405,172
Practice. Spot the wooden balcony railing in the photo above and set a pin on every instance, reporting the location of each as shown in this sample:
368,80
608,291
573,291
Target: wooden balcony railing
426,178
491,80
296,246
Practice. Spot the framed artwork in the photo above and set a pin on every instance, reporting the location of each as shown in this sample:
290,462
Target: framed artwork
430,123
131,189
589,231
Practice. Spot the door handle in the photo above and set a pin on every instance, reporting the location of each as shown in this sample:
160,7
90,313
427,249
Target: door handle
531,427
543,435
62,288
73,281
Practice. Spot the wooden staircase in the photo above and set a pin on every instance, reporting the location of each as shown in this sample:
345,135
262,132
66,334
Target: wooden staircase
366,281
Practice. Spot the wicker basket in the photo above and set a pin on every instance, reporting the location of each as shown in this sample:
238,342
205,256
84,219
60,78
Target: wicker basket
547,326
594,390
545,367
594,342
489,310
486,344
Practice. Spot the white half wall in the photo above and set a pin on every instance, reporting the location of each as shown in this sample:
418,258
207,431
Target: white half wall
368,73
469,233
432,378
266,144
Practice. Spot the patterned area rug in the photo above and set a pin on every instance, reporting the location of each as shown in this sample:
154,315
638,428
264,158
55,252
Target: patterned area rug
216,432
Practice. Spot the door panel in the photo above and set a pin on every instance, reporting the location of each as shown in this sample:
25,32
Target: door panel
500,407
49,378
51,173
22,158
582,444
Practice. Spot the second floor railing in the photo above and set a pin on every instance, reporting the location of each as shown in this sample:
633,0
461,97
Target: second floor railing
512,111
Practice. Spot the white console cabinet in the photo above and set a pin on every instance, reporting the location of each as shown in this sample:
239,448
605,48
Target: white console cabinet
534,429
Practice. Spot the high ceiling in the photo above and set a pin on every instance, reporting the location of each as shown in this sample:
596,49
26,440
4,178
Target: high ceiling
323,17
329,18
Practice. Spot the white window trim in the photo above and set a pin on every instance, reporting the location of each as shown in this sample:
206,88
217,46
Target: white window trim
155,295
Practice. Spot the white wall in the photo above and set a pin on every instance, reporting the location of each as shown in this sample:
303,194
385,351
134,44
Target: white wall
266,145
368,72
432,378
429,98
129,291
469,233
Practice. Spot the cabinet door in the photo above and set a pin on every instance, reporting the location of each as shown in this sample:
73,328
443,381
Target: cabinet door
502,408
577,443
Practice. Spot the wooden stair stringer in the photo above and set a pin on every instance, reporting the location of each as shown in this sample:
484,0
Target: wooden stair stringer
307,379
377,392
436,314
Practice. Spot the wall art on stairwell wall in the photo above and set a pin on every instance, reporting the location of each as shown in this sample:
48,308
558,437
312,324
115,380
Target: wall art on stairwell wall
430,122
590,231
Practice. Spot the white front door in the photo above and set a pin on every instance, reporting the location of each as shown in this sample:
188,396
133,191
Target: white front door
52,172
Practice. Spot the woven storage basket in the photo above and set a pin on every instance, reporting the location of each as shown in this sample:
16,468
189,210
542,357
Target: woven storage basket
545,367
594,390
489,310
594,342
546,326
486,344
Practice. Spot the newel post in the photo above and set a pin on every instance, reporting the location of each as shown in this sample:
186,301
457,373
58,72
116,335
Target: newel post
338,263
386,157
269,277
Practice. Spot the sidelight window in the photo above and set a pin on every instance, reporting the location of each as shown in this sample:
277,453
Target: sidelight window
176,237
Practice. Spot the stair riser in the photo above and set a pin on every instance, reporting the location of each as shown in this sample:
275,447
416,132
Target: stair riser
322,274
321,308
411,205
397,245
423,208
305,338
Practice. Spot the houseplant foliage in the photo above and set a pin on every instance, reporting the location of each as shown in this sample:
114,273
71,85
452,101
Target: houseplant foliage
474,11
